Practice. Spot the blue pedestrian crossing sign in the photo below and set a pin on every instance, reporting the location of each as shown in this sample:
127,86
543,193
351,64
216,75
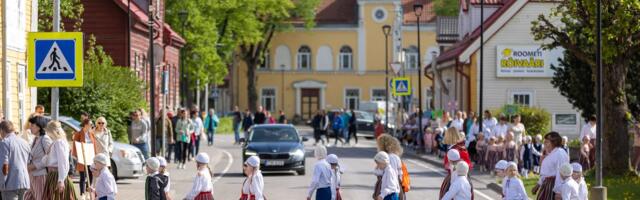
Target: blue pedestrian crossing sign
401,86
55,59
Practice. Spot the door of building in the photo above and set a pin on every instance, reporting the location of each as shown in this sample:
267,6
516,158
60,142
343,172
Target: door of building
310,102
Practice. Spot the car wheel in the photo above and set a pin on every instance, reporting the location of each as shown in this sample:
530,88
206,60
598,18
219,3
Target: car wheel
114,170
301,172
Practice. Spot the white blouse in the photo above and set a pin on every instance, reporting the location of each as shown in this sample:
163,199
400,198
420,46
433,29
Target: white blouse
58,157
389,183
321,176
460,189
106,185
201,183
568,189
583,191
513,189
550,166
335,182
255,186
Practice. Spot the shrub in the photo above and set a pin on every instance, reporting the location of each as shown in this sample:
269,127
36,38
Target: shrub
536,120
225,125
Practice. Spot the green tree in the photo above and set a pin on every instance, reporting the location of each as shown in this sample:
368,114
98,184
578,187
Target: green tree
246,28
572,26
446,7
69,9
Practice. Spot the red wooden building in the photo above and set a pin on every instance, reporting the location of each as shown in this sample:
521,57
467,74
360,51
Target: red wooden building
121,27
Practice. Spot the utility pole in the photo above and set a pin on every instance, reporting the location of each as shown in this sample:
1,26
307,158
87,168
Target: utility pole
599,192
480,112
152,76
55,92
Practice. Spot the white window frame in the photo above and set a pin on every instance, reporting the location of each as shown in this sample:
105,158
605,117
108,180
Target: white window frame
428,97
375,98
347,98
531,94
17,26
22,89
266,63
411,65
263,98
299,58
341,60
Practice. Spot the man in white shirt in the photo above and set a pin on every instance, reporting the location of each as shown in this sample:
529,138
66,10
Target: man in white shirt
589,129
488,124
502,128
458,122
105,187
460,187
568,190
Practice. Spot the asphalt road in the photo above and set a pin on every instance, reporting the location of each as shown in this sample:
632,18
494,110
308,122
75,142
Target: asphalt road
357,181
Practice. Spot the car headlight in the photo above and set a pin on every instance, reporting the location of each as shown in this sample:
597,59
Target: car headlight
250,153
297,153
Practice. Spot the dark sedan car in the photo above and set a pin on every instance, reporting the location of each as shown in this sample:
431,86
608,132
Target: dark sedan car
279,147
365,123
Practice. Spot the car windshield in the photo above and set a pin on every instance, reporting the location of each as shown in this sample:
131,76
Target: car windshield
274,134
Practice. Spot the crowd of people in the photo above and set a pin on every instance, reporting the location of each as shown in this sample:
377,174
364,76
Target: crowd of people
343,124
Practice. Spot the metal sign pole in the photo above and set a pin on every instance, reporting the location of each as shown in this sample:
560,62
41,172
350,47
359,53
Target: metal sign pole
55,92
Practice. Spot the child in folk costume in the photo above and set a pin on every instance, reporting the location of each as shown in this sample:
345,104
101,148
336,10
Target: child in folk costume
491,157
510,147
500,168
163,171
460,187
336,173
537,153
58,185
105,186
429,140
389,185
585,150
565,144
393,148
569,188
512,186
583,191
551,163
202,188
321,179
526,155
253,185
500,140
481,149
155,182
439,138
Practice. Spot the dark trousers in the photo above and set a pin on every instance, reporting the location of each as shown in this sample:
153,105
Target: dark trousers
316,135
83,180
184,149
353,133
337,133
170,149
196,145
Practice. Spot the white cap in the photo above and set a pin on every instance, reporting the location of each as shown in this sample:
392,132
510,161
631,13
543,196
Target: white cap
462,168
382,157
502,165
153,163
202,158
566,169
320,152
576,167
453,155
101,158
253,161
332,159
512,165
163,162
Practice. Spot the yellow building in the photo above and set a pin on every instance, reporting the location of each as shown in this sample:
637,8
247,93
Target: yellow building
18,18
341,61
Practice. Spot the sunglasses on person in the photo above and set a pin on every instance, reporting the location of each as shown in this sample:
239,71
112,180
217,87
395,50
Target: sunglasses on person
101,123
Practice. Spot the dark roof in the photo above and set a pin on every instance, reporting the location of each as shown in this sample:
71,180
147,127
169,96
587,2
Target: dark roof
464,4
462,45
428,14
447,29
337,12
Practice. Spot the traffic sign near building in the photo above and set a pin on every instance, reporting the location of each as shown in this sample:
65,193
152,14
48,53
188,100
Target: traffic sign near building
55,59
401,86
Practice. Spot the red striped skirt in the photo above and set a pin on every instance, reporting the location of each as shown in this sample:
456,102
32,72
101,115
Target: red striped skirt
204,196
545,192
445,185
36,190
247,197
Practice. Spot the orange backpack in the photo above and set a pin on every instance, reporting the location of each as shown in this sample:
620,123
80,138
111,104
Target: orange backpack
406,181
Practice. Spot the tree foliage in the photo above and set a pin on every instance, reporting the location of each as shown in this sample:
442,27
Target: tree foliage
572,26
200,54
446,7
69,9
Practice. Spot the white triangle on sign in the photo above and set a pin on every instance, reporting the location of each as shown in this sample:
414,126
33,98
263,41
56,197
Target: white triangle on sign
402,87
396,67
55,62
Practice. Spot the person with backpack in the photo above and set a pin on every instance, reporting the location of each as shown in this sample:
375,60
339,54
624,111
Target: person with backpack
155,182
337,127
393,148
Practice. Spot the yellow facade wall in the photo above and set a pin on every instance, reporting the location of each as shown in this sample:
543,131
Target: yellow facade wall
16,58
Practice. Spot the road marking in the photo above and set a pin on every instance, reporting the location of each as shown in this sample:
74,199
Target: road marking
226,168
442,173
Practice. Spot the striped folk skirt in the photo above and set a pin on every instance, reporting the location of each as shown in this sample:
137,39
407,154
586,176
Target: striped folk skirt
545,192
204,196
36,190
51,188
445,185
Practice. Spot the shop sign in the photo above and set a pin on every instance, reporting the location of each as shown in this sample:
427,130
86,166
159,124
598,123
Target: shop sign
526,61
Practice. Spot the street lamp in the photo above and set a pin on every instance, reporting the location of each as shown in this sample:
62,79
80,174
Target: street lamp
417,10
183,15
481,92
599,191
152,76
386,29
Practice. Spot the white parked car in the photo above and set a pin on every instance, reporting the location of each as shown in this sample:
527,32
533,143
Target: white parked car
127,161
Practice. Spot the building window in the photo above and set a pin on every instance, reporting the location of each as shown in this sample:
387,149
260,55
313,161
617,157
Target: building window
378,94
268,99
428,97
522,98
304,58
16,27
266,61
346,58
352,98
411,58
566,119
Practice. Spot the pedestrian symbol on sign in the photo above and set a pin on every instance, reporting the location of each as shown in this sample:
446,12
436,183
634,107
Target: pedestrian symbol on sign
401,87
55,59
54,62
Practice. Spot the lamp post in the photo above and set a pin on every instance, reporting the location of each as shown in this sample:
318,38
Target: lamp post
152,76
386,29
481,93
282,85
183,15
417,10
599,191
